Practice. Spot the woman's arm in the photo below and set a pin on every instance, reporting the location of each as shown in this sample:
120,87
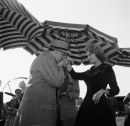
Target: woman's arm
111,80
75,75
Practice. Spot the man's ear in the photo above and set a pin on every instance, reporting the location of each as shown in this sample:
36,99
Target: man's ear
55,52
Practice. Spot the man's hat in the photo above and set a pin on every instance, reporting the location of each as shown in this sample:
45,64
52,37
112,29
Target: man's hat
59,45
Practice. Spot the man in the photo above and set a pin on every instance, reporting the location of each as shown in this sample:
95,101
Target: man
70,92
39,104
18,97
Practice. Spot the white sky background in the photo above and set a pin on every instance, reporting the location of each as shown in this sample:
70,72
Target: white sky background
109,16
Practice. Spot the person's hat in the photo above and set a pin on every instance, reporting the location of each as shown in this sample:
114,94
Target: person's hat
59,45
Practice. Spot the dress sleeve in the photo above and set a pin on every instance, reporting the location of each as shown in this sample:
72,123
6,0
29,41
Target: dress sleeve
77,76
111,80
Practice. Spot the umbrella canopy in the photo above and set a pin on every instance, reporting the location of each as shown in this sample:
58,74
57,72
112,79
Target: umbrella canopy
17,26
78,36
124,57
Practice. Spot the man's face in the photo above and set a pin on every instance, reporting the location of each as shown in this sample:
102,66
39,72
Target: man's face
18,93
60,55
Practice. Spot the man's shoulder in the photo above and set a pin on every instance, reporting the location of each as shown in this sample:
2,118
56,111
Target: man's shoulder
43,57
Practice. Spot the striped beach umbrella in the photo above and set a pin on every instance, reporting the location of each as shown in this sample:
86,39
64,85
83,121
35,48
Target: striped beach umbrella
72,33
107,43
124,57
78,36
17,25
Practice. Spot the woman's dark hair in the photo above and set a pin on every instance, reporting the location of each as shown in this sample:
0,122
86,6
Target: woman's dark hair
94,49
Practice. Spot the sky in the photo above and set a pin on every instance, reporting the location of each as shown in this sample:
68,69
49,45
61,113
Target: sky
109,16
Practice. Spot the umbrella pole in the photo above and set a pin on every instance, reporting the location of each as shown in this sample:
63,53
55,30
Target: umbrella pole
12,80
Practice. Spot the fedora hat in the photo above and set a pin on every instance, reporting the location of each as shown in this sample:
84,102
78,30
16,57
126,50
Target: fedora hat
59,45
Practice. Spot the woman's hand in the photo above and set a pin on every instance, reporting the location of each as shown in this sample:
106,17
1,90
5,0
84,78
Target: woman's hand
69,67
96,97
64,62
70,60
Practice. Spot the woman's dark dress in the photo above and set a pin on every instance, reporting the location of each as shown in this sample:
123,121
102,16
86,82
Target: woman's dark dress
100,114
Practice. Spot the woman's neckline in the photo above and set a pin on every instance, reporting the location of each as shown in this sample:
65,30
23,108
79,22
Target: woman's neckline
97,65
94,67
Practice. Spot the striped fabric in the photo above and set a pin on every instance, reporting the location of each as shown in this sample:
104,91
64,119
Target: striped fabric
124,58
77,49
107,43
78,36
17,26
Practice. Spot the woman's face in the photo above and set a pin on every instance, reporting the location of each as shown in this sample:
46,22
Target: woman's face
92,58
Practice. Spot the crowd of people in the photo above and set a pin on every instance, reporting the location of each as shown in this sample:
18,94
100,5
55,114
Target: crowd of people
9,109
49,98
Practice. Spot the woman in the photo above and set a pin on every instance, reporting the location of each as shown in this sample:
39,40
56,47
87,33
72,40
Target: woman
95,109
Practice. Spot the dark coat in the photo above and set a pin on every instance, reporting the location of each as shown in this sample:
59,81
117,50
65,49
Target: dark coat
100,114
